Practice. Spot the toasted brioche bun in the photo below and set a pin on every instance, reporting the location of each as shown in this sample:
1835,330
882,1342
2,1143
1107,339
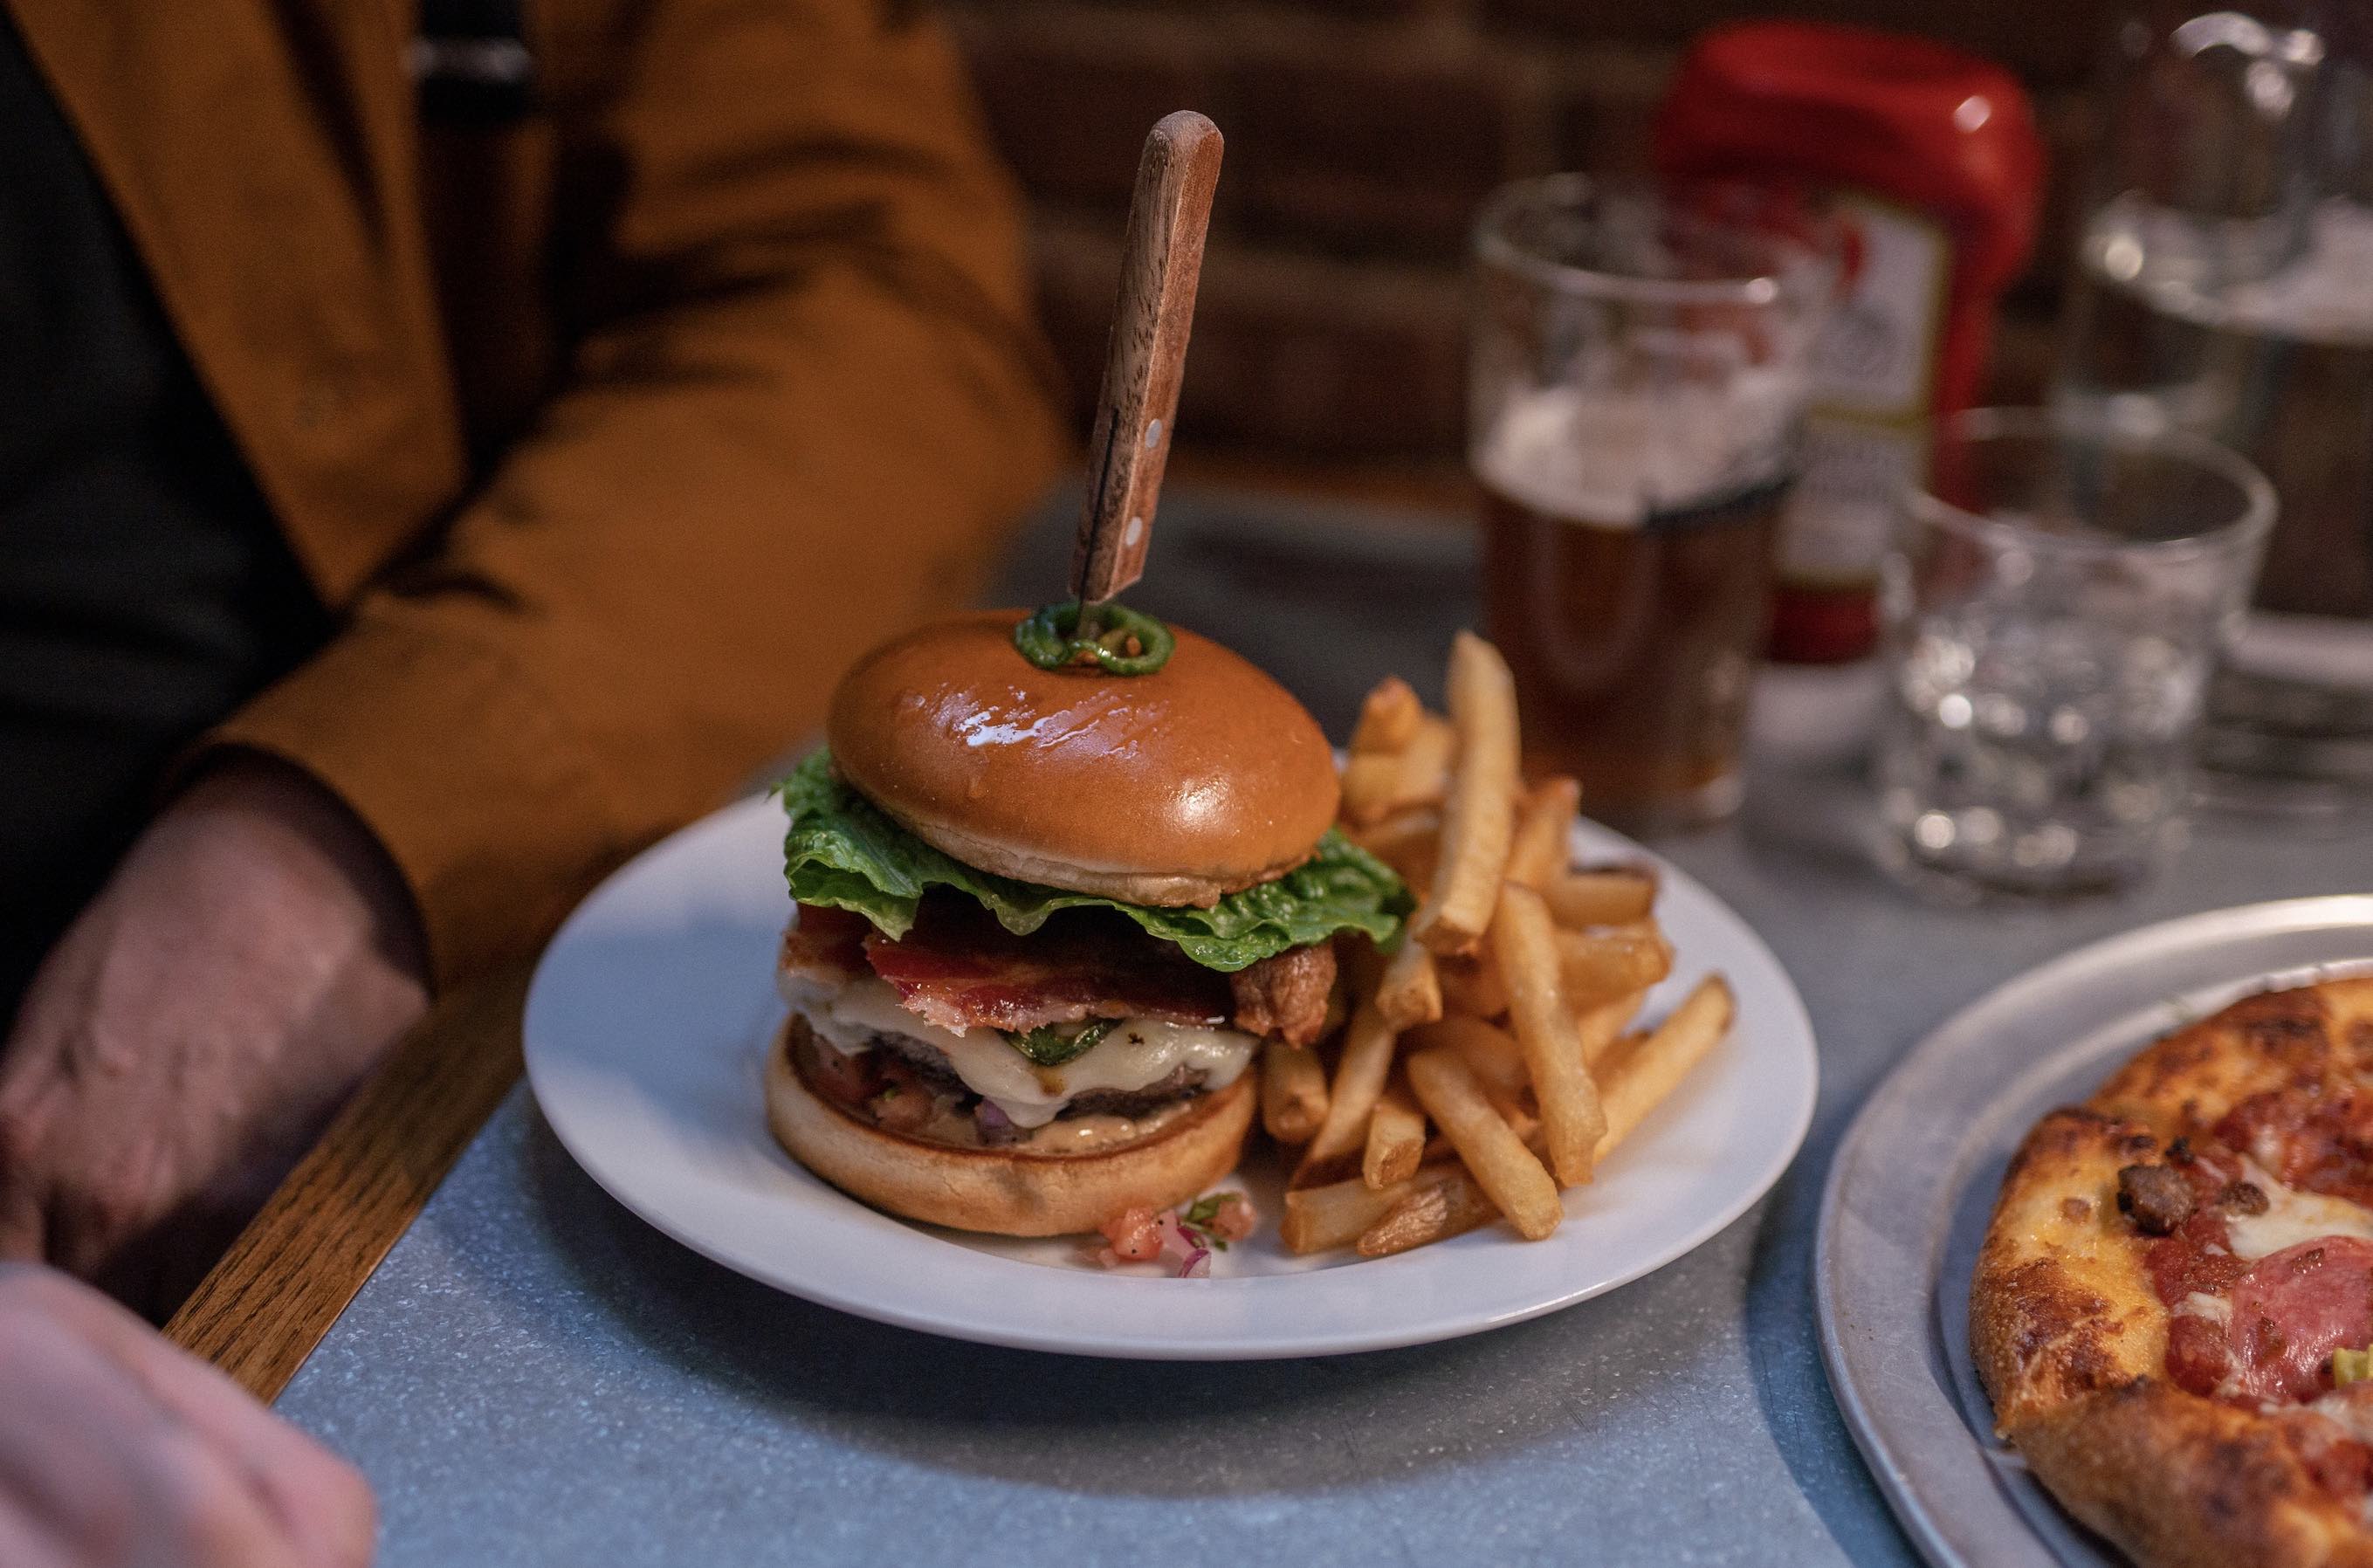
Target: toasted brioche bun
1175,788
1002,1190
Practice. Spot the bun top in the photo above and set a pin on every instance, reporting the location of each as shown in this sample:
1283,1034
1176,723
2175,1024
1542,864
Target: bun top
1174,788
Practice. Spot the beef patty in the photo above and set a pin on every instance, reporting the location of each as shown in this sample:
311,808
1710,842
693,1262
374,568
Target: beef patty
930,1064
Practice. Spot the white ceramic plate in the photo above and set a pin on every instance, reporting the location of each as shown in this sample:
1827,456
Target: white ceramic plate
646,1028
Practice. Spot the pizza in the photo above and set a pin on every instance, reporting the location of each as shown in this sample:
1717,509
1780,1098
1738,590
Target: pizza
2174,1300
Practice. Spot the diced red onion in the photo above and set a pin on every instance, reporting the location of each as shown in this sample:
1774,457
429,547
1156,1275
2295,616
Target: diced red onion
1174,1239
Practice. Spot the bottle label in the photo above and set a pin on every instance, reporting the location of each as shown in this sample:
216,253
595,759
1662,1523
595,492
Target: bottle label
1874,391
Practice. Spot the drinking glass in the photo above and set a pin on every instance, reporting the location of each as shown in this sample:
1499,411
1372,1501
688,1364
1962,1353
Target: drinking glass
1637,382
2223,285
2057,599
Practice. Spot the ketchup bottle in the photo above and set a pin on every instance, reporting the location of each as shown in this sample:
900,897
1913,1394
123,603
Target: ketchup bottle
1933,166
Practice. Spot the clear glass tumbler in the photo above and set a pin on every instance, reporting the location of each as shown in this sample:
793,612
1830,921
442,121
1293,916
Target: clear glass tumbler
1636,389
2058,598
2223,285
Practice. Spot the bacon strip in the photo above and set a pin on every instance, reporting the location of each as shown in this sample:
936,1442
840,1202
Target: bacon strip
825,943
960,969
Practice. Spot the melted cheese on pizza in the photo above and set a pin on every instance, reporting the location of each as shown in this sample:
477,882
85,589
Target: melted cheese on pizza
2292,1216
2200,1303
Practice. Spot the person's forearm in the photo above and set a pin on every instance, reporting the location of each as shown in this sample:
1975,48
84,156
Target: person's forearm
253,956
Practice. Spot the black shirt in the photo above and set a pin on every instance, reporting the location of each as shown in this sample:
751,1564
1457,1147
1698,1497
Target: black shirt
143,590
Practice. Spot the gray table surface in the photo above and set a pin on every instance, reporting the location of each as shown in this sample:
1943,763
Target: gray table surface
534,1376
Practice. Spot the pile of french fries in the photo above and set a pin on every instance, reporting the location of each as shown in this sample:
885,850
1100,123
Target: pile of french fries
1491,1060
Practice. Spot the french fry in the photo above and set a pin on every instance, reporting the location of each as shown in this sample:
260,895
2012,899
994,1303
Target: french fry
1595,967
1525,1123
1486,1064
1396,1137
1478,813
1358,1083
1411,992
1519,1116
1320,1219
1388,718
1432,1213
1580,899
1510,1172
1638,1077
1601,1027
1489,1052
1294,1092
1471,986
1405,840
1537,851
1376,784
1524,945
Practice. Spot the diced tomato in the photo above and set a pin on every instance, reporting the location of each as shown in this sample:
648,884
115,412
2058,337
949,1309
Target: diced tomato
1234,1218
1133,1235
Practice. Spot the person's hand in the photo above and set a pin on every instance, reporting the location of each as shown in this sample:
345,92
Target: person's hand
117,1451
253,956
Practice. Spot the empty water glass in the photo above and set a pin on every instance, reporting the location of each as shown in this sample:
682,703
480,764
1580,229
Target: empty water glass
2057,599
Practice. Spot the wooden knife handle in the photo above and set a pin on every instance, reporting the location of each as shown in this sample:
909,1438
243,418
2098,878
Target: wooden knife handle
1152,316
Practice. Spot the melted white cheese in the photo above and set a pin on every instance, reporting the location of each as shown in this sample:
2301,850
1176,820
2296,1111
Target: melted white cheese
2292,1217
1137,1052
2200,1303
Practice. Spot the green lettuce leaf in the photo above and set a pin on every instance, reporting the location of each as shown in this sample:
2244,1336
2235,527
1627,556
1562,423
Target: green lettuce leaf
843,851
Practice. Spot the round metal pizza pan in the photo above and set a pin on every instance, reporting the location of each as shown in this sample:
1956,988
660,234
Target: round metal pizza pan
1914,1179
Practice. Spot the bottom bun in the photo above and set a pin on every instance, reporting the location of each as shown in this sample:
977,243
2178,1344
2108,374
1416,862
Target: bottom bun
1002,1190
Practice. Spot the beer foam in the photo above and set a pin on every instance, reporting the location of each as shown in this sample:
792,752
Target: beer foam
1613,458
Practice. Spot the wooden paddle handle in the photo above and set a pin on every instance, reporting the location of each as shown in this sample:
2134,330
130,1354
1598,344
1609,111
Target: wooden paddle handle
1150,319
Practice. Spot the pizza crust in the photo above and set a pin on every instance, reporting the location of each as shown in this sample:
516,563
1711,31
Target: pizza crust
2179,1481
2320,1034
2059,1308
2070,1338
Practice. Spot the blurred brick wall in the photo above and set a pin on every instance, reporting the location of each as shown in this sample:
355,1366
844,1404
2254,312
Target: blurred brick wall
1360,135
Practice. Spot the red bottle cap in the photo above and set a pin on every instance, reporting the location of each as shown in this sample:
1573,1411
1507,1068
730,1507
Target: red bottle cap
1905,117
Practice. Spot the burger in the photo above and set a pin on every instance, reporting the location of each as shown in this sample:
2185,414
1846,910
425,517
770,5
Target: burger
1047,910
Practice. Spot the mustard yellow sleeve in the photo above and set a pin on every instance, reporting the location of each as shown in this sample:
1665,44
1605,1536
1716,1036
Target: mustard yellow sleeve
803,401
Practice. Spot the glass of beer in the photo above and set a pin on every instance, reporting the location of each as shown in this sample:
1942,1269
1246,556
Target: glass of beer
1637,380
